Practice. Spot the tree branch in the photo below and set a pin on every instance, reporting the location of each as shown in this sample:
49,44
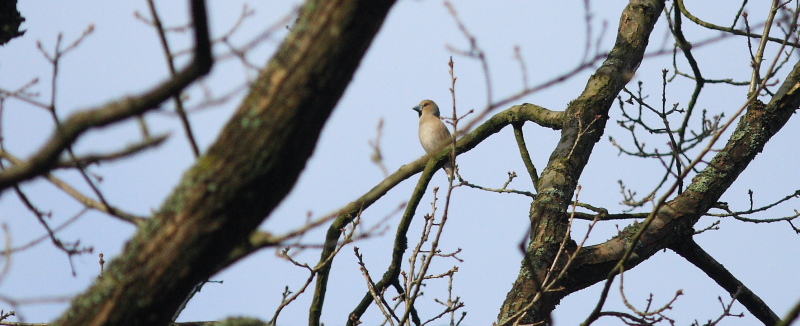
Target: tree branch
516,113
46,158
244,175
526,157
693,253
730,30
584,123
392,273
674,220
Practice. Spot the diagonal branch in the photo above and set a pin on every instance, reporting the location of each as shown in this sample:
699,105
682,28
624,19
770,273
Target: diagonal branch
187,128
243,176
517,113
526,156
81,198
585,120
673,222
46,158
693,253
390,277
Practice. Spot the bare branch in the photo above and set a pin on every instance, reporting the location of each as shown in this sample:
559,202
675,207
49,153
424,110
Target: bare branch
692,252
45,159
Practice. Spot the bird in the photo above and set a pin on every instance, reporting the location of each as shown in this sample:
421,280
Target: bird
433,134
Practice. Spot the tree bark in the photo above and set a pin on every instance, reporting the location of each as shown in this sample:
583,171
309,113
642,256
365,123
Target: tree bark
251,167
584,124
691,251
673,222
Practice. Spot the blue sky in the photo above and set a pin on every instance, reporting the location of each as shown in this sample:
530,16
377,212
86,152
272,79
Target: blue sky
406,63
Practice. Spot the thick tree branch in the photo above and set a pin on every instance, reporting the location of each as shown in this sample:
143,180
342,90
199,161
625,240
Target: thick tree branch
583,126
674,220
244,175
515,114
693,253
46,158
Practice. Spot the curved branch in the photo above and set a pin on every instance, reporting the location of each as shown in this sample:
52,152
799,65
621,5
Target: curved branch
733,31
585,120
686,48
390,277
515,114
46,158
673,222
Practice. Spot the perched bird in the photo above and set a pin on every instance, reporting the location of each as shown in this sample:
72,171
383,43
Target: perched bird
433,134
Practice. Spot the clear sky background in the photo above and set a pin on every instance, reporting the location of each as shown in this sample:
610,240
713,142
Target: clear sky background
406,63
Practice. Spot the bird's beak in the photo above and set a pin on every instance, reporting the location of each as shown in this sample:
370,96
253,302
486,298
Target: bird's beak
418,109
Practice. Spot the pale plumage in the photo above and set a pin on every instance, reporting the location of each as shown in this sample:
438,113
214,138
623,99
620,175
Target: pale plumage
433,134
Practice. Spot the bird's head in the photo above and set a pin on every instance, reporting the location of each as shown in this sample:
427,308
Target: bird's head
427,106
